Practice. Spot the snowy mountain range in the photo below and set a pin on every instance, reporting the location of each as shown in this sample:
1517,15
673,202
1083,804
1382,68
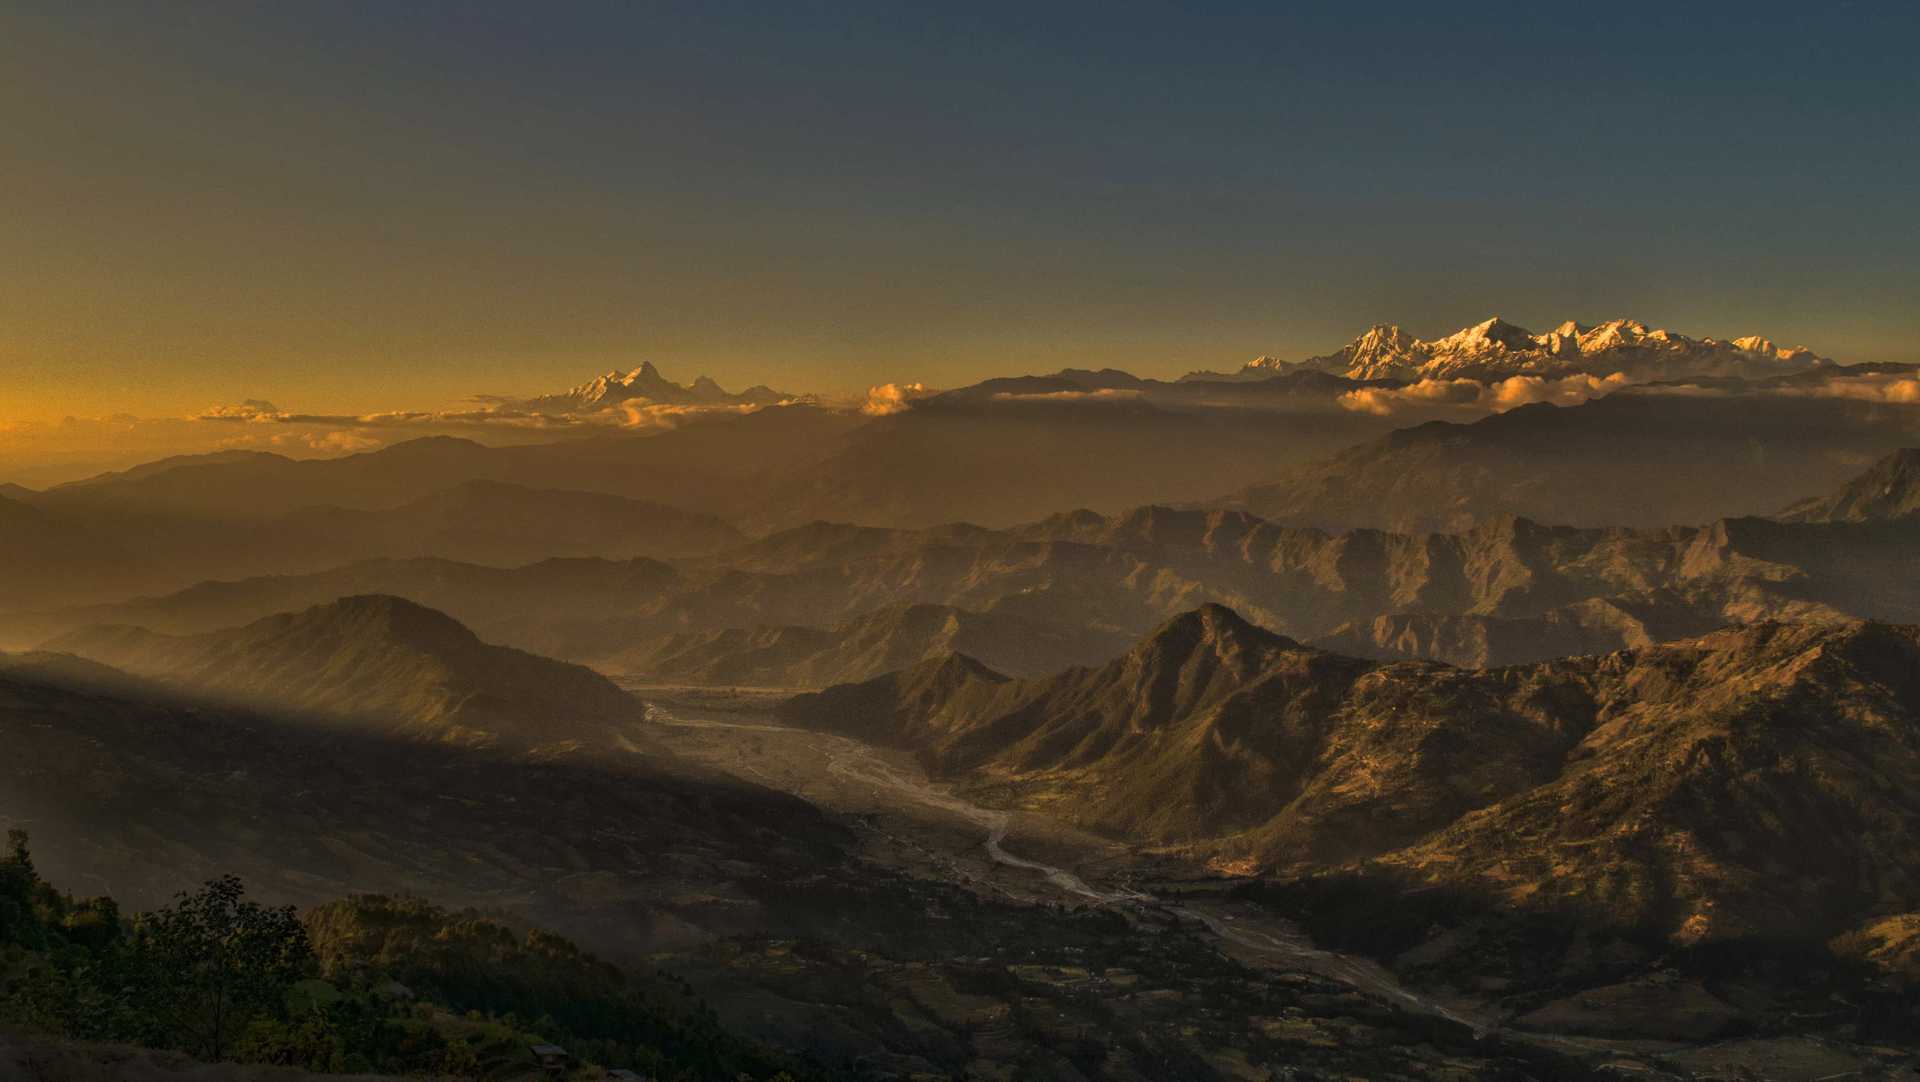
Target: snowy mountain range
646,383
1496,349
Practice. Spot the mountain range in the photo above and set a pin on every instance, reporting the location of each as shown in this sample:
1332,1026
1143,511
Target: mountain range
1577,716
1756,782
1495,349
830,603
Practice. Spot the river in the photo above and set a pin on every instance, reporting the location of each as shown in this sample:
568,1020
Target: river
1268,938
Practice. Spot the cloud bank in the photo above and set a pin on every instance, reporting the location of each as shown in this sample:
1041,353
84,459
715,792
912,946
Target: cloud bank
891,398
1498,396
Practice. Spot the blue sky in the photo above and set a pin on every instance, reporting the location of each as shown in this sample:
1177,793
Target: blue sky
352,206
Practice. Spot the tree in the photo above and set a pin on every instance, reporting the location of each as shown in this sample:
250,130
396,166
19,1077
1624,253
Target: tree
213,962
19,919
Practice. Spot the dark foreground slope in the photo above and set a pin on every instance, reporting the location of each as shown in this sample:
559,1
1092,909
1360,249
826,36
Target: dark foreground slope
751,896
136,797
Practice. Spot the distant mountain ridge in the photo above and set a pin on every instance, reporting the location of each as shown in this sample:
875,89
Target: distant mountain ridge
1495,349
813,603
380,662
1638,457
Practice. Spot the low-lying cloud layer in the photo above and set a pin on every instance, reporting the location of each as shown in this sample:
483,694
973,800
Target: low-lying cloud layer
1497,396
39,453
1902,387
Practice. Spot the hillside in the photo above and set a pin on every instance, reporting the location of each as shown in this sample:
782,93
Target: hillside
749,897
499,523
136,796
1638,458
1711,788
1888,491
379,664
866,646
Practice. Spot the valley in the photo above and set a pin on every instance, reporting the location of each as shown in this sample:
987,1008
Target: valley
925,829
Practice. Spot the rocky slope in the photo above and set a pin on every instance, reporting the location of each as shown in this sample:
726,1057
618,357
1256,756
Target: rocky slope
379,664
1757,781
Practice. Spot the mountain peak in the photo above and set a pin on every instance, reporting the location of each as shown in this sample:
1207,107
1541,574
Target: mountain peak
1489,334
647,381
1212,628
389,617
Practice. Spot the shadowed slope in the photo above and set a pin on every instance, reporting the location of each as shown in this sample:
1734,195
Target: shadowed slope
377,661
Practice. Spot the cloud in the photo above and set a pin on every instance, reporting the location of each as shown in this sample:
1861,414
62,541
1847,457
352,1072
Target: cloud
258,411
253,409
1900,387
890,398
1499,395
646,413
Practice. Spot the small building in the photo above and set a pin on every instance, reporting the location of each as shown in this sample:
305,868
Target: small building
552,1058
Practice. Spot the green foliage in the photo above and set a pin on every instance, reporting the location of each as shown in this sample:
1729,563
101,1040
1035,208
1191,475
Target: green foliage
19,923
483,967
214,962
408,988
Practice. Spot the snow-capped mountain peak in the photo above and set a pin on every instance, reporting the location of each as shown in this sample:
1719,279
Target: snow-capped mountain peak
1497,349
646,382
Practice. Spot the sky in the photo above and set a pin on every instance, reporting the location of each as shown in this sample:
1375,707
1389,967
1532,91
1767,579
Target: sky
354,207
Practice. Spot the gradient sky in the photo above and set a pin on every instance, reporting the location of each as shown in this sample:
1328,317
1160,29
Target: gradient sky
342,206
